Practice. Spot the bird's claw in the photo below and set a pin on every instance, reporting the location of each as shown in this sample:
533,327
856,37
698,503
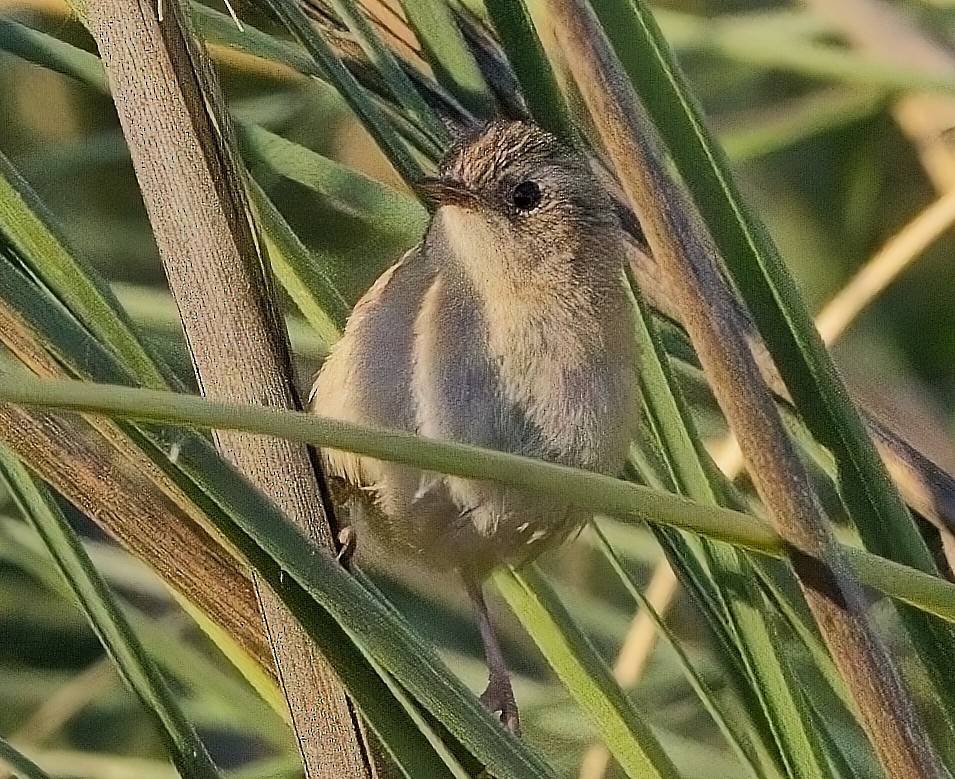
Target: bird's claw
499,698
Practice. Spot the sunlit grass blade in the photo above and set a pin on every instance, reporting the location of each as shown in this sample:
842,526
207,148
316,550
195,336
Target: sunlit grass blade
339,76
444,46
526,54
298,271
748,753
20,763
114,631
585,675
390,70
762,279
391,222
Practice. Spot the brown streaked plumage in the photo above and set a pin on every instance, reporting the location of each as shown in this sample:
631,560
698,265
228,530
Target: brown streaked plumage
508,327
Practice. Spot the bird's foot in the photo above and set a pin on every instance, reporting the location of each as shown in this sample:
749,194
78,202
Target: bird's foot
347,542
499,698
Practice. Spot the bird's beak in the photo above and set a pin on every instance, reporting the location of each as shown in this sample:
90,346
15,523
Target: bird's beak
437,192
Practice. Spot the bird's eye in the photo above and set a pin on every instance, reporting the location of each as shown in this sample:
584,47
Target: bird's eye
526,196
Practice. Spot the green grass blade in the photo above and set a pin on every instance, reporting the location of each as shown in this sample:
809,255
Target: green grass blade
603,494
62,335
29,227
356,97
114,631
218,29
746,752
390,71
785,324
515,28
298,271
585,675
695,476
22,766
447,53
387,223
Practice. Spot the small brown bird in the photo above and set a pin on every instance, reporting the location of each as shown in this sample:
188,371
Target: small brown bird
510,327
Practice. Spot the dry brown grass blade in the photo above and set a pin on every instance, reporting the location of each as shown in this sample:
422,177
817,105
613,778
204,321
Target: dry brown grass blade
119,493
690,268
171,112
95,466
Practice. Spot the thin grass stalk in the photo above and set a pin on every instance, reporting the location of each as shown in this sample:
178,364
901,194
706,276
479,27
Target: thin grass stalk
338,75
689,263
390,70
525,52
603,494
885,266
111,626
20,762
171,111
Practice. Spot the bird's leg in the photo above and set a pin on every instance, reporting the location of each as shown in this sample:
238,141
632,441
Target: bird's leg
498,697
347,542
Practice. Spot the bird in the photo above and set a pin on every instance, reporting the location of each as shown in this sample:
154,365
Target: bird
509,326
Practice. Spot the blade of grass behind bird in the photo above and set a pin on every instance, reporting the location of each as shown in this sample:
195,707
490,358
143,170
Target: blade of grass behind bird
693,474
338,75
388,67
300,272
447,53
515,28
785,325
390,223
584,673
114,631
